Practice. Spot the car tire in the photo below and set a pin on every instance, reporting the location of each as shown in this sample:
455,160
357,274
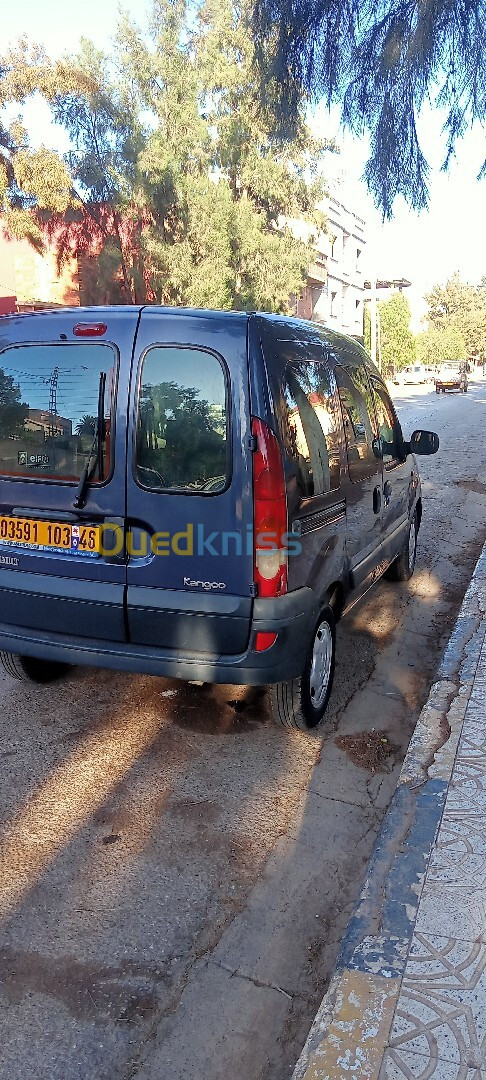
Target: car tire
403,566
29,669
301,703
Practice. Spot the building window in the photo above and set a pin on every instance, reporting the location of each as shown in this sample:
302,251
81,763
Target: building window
333,305
358,255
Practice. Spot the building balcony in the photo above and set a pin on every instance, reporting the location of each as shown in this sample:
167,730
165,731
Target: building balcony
318,272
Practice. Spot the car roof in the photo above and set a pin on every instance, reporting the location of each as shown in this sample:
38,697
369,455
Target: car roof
293,327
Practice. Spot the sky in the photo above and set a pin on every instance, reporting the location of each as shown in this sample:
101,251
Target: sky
425,248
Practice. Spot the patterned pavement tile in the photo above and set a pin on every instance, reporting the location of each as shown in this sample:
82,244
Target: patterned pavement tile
441,1010
401,1065
474,724
475,708
453,868
472,746
458,912
462,837
466,796
465,808
468,782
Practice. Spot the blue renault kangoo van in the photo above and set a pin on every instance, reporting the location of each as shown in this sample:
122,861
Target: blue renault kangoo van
196,494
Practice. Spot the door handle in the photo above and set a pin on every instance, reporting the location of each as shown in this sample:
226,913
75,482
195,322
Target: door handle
387,491
376,500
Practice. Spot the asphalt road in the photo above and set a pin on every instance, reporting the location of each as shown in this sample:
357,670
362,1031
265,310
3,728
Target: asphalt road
175,872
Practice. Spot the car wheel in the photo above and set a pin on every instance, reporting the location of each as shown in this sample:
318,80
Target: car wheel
301,703
403,567
28,669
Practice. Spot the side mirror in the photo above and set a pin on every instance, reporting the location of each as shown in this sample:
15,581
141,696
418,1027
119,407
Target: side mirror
424,443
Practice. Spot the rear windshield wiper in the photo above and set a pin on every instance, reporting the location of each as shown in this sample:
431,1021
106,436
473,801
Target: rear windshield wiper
95,456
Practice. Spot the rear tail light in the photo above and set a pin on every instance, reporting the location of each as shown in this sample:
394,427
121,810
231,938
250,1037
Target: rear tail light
269,513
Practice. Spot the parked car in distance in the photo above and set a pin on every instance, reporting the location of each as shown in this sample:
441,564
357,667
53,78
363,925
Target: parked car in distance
451,377
413,375
220,489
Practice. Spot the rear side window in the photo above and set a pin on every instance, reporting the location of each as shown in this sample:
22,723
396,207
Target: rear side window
182,421
358,416
312,435
49,398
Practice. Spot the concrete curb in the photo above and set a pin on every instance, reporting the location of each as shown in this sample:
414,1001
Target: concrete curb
351,1029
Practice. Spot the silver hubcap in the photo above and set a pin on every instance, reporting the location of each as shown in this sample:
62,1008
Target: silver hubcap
412,543
321,665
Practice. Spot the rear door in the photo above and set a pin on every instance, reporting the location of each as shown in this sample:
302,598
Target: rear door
189,485
50,380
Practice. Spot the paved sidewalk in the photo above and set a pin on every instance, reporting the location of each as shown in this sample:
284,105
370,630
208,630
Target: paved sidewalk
408,997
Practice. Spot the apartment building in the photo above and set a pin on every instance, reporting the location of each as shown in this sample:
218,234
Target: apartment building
335,285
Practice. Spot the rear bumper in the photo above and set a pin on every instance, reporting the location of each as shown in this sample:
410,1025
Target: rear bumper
292,617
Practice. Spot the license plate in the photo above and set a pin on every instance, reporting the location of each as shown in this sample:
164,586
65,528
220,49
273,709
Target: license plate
51,536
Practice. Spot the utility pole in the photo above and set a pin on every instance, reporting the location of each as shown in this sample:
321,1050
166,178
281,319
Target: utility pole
52,383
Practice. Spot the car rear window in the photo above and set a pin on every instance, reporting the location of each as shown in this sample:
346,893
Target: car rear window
182,421
49,395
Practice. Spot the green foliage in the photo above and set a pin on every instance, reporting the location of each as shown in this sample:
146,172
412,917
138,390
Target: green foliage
87,425
42,176
462,307
380,62
13,410
180,189
439,344
178,437
397,342
29,179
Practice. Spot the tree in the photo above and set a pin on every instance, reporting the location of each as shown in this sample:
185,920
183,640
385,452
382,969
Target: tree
177,434
13,411
441,344
460,307
86,425
182,191
397,342
380,62
29,179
